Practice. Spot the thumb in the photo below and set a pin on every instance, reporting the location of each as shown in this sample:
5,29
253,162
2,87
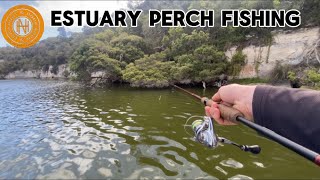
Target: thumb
226,94
216,97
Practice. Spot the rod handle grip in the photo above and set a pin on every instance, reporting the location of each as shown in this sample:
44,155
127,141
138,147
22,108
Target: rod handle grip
226,112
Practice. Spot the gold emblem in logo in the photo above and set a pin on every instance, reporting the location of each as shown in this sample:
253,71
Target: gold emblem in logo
22,26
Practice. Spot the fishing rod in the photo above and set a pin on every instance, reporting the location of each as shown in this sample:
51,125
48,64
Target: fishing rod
205,134
234,115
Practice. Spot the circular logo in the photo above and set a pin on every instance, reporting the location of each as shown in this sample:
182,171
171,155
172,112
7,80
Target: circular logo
22,26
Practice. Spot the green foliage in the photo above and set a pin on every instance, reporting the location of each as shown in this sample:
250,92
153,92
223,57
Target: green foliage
91,57
294,80
195,57
52,51
238,60
105,36
130,47
8,66
279,72
313,76
150,72
66,73
258,4
181,43
291,76
276,3
310,12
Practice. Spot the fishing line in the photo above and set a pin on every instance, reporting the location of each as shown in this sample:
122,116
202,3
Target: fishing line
187,125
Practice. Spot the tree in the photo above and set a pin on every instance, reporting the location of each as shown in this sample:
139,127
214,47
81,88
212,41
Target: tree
149,72
130,47
91,57
62,32
237,62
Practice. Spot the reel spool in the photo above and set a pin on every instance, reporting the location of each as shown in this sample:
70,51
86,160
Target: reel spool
204,133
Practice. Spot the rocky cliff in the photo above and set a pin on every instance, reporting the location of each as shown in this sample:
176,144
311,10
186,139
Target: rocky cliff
62,72
287,47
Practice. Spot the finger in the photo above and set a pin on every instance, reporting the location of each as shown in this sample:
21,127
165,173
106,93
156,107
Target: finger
219,119
214,104
216,97
227,94
226,103
207,110
215,113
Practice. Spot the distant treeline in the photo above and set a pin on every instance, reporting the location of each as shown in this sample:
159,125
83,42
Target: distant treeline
154,57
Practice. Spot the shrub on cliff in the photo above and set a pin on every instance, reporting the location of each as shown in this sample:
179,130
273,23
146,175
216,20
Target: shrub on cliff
177,42
294,80
313,76
205,63
91,57
150,72
279,72
129,47
238,60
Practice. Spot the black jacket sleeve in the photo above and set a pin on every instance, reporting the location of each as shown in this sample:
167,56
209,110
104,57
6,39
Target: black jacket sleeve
292,113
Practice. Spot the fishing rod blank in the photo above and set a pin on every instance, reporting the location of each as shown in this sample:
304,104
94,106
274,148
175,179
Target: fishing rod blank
307,153
236,116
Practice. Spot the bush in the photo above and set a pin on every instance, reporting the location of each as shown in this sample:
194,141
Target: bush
66,73
279,72
291,76
313,76
149,72
294,80
238,60
205,63
91,57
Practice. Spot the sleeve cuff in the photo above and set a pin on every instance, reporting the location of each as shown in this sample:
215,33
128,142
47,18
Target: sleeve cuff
258,103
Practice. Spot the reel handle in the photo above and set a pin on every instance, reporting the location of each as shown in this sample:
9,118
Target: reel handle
254,149
226,112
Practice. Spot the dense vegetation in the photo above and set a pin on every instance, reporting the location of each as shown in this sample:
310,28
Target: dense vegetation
153,57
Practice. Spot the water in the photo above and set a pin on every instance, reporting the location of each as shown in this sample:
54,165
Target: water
56,129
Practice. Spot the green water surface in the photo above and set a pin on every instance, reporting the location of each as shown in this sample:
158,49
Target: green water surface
56,129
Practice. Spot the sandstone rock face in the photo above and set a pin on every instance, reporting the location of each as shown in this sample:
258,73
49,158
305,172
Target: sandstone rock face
98,74
38,73
48,75
287,48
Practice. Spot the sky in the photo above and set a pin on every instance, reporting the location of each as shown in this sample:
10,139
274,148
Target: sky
45,7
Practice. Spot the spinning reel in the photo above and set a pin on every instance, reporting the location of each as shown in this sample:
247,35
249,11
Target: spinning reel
204,133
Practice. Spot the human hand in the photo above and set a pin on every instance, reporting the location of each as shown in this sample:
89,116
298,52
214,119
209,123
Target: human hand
234,95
